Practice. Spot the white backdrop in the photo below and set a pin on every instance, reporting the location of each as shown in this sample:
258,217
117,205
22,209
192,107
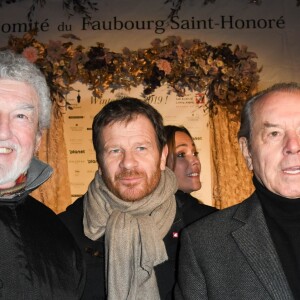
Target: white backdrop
271,30
175,110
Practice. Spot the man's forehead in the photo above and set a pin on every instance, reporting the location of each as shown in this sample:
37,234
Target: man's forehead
131,121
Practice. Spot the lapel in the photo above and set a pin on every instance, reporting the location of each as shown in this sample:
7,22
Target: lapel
255,242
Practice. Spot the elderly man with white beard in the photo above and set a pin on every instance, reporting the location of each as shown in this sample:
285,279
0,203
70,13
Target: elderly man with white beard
39,258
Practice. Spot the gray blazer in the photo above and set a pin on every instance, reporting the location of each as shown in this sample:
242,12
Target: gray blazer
230,255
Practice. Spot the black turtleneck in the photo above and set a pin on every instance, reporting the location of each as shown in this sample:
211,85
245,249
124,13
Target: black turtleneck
283,220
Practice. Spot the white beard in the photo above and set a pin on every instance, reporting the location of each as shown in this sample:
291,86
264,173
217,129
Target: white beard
9,173
12,174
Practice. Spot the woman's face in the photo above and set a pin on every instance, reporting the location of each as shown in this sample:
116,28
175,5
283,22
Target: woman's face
187,166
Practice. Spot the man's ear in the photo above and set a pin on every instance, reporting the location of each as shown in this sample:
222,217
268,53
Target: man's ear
163,159
38,140
244,146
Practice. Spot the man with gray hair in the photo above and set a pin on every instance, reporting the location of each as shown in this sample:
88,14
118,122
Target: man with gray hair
39,258
251,250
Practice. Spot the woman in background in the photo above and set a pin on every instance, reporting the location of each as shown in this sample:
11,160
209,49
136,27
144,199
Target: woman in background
183,160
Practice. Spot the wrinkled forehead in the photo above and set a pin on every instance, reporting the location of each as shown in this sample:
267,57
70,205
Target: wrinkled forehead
18,91
277,106
137,126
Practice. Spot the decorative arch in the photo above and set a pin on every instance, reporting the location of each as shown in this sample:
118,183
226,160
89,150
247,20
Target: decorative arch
228,75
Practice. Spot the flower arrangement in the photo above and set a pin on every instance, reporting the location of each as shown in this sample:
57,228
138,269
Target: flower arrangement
227,76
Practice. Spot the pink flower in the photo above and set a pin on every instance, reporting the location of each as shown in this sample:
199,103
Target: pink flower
164,65
179,52
156,43
31,54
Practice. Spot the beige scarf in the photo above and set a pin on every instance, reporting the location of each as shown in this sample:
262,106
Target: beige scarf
134,233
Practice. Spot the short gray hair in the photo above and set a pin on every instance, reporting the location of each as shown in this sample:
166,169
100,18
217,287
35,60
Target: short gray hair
247,112
16,67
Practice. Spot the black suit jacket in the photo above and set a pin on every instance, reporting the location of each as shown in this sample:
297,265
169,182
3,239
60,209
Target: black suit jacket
188,211
230,255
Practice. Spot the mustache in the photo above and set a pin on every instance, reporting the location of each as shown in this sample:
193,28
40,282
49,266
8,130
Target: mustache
8,145
128,174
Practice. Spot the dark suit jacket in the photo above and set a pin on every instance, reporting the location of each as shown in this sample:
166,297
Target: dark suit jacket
230,255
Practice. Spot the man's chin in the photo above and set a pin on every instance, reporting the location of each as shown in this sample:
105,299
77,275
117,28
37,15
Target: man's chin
132,195
10,175
131,198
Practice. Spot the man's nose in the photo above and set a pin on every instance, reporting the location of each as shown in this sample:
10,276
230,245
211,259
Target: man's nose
292,143
128,160
5,128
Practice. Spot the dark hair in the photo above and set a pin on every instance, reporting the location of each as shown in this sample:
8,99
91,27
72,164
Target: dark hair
126,109
247,112
170,131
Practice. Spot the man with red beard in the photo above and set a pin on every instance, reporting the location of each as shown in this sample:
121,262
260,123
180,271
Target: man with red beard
39,258
128,222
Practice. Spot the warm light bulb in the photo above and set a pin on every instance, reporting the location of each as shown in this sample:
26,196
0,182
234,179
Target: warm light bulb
257,2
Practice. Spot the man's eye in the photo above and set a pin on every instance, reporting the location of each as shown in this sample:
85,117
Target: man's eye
114,150
22,116
141,148
274,133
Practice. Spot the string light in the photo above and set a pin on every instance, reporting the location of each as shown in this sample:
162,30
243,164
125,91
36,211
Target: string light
257,2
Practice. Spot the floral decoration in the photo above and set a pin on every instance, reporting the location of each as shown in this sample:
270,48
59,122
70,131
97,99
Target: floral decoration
227,76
